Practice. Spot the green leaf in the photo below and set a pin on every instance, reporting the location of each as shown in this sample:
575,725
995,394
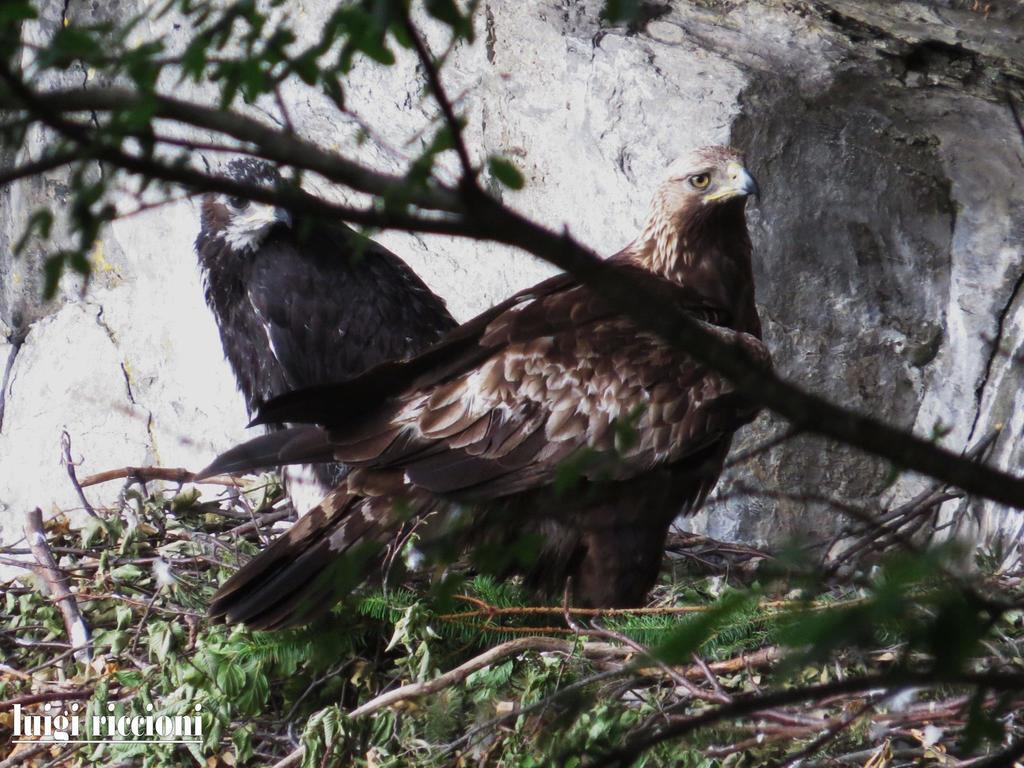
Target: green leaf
617,11
160,640
40,221
253,696
505,172
53,269
123,615
70,44
114,639
306,68
128,678
447,11
333,89
92,529
241,738
981,726
229,677
127,572
688,638
12,12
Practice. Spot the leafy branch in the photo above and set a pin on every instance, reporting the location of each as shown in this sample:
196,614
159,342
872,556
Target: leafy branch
485,218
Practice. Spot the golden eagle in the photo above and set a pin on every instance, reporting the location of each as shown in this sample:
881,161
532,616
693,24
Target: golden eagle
302,303
471,439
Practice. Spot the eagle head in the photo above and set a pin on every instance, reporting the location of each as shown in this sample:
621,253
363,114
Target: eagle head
703,178
696,231
240,223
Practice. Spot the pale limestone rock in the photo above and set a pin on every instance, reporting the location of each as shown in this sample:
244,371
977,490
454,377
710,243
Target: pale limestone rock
888,242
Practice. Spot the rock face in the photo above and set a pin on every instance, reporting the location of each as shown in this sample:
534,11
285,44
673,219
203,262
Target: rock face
889,241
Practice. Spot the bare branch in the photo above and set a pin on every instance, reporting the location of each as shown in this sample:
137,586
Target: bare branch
751,703
433,76
464,670
69,465
491,220
268,519
1004,758
37,167
830,734
57,582
452,677
170,474
276,145
767,446
39,698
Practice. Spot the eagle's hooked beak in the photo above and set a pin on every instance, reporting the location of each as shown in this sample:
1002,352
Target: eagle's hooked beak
282,215
741,181
257,216
740,184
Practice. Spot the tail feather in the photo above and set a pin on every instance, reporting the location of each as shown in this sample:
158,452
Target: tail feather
309,568
295,445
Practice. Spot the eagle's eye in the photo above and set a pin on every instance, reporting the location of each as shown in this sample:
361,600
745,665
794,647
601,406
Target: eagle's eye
700,180
238,203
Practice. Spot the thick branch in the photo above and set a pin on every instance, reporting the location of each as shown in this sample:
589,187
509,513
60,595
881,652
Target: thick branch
37,167
276,145
57,582
39,698
452,677
461,672
756,702
513,648
807,412
433,76
69,465
170,474
293,199
491,220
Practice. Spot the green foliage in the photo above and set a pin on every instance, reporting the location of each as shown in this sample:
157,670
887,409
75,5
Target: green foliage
907,601
245,49
635,14
692,635
154,648
505,172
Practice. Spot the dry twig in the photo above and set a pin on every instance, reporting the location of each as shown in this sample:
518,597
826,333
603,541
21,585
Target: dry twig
453,677
69,465
170,474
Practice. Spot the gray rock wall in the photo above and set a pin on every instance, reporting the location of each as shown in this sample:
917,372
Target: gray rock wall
889,240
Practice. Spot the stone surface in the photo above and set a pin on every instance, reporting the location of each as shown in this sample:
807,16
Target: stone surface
889,240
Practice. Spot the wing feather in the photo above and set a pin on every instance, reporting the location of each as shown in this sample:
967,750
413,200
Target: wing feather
506,397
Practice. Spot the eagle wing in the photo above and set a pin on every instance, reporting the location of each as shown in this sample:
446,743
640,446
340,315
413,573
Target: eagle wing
343,293
500,404
494,409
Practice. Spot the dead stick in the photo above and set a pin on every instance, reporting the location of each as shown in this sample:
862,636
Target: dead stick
266,519
452,677
579,629
57,581
23,757
171,474
493,611
39,698
513,647
461,672
69,464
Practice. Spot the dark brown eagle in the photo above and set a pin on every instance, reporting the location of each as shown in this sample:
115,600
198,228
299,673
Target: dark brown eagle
303,303
477,435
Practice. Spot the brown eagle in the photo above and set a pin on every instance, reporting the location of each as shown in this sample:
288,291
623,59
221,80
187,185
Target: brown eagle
551,419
